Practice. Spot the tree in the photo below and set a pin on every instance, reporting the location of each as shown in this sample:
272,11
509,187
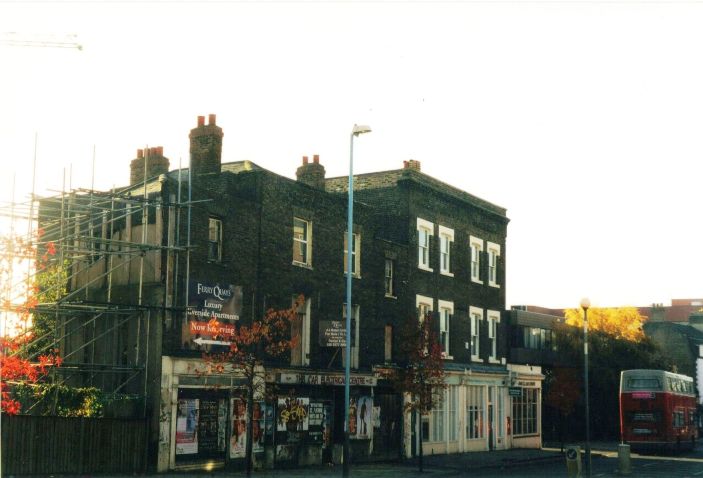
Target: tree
618,322
421,376
20,365
563,391
250,345
610,352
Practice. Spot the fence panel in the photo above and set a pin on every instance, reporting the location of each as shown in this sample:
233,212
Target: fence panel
47,445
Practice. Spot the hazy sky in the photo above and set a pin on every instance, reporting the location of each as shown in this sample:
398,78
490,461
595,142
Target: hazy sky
583,119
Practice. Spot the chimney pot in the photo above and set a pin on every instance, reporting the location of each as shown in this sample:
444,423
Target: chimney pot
405,165
160,150
201,121
140,153
305,160
316,158
211,119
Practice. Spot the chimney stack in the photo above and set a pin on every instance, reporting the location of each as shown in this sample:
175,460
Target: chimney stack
412,164
206,146
312,174
155,162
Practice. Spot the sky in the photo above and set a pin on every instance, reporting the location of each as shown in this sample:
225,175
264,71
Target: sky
582,118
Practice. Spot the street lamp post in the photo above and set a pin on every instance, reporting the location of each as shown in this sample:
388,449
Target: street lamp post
356,131
585,304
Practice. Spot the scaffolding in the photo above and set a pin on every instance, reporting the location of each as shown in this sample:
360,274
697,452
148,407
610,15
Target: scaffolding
105,267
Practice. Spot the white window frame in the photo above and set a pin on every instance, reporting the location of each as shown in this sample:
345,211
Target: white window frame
217,240
355,334
307,240
423,250
476,248
421,300
389,278
446,238
304,344
356,254
493,321
493,255
475,317
446,311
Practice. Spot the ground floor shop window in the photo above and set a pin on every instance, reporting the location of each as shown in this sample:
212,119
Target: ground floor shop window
474,412
525,412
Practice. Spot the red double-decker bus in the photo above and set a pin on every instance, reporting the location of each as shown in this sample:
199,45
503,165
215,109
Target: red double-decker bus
657,410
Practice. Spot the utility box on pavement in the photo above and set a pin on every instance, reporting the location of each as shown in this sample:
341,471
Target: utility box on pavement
573,461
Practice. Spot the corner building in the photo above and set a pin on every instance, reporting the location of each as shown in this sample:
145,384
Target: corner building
231,240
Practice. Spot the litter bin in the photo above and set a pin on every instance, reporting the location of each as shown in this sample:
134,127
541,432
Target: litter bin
573,460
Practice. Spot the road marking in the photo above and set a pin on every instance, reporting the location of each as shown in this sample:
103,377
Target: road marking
698,473
648,464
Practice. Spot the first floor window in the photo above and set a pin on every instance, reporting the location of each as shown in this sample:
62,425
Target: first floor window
388,344
525,412
425,229
476,250
493,254
300,327
388,276
446,309
355,265
493,320
214,244
476,316
446,237
354,334
474,412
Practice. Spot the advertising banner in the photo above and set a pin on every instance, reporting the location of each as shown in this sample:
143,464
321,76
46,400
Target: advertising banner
213,310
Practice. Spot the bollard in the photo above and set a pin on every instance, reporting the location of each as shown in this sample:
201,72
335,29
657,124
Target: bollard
624,467
573,461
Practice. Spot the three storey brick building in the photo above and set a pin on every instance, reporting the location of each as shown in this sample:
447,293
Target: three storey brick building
248,239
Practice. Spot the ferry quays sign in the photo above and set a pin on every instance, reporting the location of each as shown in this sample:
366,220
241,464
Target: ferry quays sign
213,309
325,379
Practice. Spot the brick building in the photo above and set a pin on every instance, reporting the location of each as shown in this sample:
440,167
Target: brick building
229,240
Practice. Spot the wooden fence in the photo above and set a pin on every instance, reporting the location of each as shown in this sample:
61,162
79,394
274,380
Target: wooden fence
48,445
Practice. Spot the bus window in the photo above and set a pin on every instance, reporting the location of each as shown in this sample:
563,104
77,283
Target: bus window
644,384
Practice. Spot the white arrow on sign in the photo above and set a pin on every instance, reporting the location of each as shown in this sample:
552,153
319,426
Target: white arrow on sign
202,341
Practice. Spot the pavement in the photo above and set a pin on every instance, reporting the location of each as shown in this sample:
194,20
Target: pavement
438,465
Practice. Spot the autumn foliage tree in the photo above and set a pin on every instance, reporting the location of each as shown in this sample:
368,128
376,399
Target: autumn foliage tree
616,343
249,346
421,375
20,364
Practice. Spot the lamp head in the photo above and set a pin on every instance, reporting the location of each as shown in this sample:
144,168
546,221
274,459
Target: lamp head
585,303
360,129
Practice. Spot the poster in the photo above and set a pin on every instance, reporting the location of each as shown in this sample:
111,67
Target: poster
258,425
364,426
292,414
376,417
238,439
187,426
208,411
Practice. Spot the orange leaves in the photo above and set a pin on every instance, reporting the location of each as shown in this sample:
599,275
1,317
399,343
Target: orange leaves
251,343
620,322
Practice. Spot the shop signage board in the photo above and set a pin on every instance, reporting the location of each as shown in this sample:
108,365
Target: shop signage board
213,310
515,391
326,379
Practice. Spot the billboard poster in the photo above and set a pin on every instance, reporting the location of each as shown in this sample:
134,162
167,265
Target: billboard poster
364,426
293,414
238,439
213,309
187,426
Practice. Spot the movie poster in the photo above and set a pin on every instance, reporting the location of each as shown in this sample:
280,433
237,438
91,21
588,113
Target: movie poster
364,425
238,439
187,426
